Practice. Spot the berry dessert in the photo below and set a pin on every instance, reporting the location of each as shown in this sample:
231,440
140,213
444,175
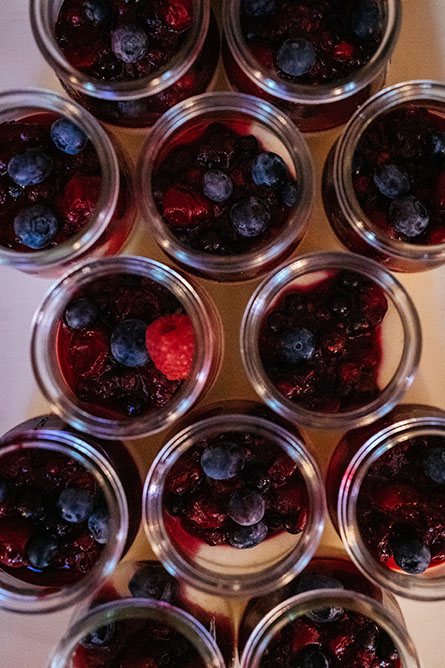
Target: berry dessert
235,489
50,182
125,345
222,193
399,174
320,343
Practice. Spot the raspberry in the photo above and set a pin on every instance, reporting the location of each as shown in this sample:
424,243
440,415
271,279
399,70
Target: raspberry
177,14
79,199
170,341
343,51
185,208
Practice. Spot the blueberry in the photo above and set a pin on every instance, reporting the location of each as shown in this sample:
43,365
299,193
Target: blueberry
128,343
410,554
311,657
42,550
365,19
438,144
96,12
101,637
434,465
296,57
75,504
391,181
250,217
259,8
98,524
310,581
246,507
3,490
408,216
30,167
36,226
68,137
246,537
152,581
268,169
297,345
222,461
216,185
289,193
129,43
81,313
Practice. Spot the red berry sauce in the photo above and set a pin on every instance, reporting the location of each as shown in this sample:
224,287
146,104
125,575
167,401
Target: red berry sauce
34,481
398,499
325,24
197,221
343,313
197,505
70,191
106,387
411,138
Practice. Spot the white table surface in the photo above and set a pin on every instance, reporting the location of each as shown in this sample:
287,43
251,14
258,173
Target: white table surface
26,641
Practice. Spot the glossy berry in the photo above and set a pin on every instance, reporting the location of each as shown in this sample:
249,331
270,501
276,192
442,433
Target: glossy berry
246,507
311,657
42,550
81,313
183,207
96,12
434,465
365,19
289,193
68,137
129,43
99,524
170,341
250,217
152,582
296,57
30,167
3,490
100,637
36,226
216,185
310,581
128,343
297,345
222,461
259,8
410,554
243,537
391,181
268,169
75,504
408,216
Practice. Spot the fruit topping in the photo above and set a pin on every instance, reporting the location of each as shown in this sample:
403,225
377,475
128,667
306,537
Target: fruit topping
81,313
36,226
68,137
170,341
127,343
30,167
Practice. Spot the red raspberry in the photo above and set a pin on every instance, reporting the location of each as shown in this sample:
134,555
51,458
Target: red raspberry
184,208
170,342
79,199
177,14
343,51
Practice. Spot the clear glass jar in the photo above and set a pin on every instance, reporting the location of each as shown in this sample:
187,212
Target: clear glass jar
353,228
127,614
140,102
311,108
115,475
400,338
206,362
354,456
113,219
222,569
275,132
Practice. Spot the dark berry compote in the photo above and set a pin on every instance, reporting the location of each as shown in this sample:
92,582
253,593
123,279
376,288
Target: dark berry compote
399,174
124,345
320,344
50,181
235,489
222,192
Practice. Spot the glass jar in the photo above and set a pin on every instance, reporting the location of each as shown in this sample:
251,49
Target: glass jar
352,226
351,462
224,569
140,102
312,108
208,349
112,221
112,472
146,620
399,337
246,115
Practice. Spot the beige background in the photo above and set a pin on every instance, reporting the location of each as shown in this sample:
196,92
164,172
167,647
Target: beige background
25,642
